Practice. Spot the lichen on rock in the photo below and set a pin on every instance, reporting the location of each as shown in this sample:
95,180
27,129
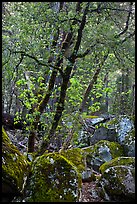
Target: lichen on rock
102,152
126,161
129,143
14,167
53,178
118,183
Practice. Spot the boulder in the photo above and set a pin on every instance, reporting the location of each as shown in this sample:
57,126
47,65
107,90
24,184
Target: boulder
14,169
89,135
53,178
124,126
103,133
129,143
128,161
76,156
126,135
117,181
101,152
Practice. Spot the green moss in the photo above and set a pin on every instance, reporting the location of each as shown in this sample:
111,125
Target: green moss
119,183
114,121
5,137
53,178
14,164
88,150
126,161
101,152
115,148
76,156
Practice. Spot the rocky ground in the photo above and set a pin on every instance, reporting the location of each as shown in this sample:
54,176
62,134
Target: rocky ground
89,192
89,189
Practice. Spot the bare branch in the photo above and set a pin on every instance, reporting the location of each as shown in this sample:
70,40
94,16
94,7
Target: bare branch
114,9
78,7
127,37
40,63
127,21
88,50
83,22
79,37
21,59
7,32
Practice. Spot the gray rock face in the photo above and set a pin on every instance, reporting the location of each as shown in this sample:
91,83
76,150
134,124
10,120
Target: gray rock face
103,133
102,152
118,183
129,144
126,136
124,127
88,175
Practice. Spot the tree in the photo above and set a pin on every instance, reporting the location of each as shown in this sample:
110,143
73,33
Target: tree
63,59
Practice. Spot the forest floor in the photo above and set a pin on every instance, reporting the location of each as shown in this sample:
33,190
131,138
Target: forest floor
89,192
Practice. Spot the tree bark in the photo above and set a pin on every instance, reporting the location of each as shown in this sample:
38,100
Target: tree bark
66,76
91,84
44,101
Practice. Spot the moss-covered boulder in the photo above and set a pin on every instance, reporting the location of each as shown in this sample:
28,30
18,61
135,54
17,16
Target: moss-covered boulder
126,161
76,156
102,152
54,178
118,182
14,169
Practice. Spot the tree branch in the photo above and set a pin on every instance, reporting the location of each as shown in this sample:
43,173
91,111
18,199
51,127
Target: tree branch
91,84
80,30
21,59
88,50
64,86
127,21
40,63
129,36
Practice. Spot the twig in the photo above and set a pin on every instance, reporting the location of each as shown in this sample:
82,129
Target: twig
40,63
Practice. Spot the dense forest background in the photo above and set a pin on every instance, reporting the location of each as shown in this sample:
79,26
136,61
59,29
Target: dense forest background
63,62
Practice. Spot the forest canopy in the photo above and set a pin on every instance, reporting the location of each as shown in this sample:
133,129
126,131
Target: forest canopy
65,61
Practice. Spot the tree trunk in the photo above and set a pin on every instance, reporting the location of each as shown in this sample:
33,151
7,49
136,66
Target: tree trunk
133,100
66,76
59,110
91,84
106,97
45,100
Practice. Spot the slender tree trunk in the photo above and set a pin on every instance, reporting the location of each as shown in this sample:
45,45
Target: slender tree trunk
66,76
106,97
122,101
45,100
133,100
59,110
31,141
91,84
